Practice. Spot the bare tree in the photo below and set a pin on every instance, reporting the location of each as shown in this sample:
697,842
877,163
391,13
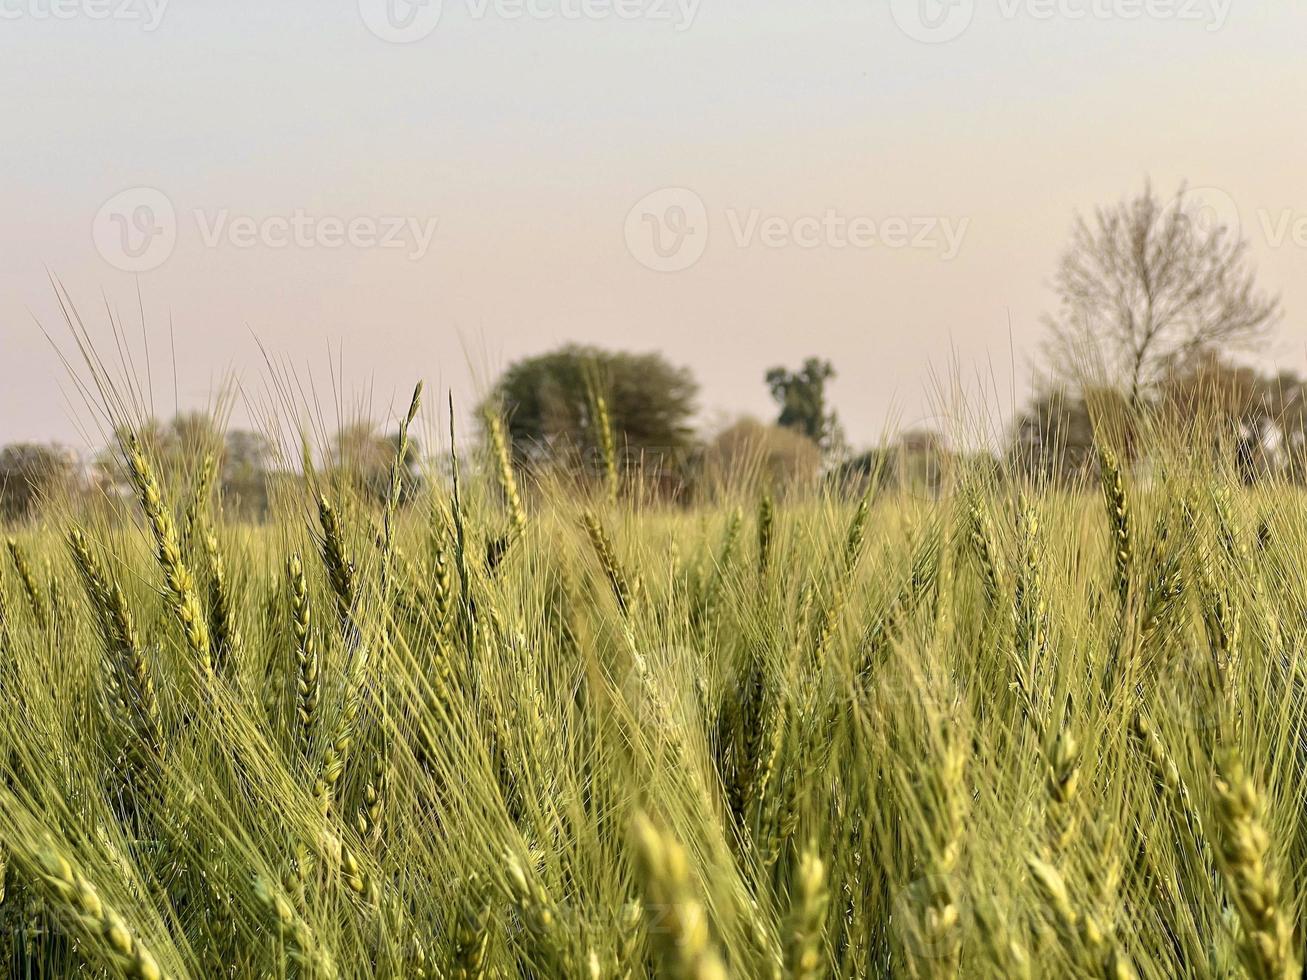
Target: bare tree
1146,288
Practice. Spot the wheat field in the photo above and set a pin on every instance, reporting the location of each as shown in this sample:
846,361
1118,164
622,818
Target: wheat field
512,729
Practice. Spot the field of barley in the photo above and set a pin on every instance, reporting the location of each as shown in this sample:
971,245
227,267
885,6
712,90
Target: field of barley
503,729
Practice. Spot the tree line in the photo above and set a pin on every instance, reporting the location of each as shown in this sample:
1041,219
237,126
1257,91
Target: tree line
1158,312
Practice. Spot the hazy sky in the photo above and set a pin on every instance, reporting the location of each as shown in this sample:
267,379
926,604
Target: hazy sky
883,183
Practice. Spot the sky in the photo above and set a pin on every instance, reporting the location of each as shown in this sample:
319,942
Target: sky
370,192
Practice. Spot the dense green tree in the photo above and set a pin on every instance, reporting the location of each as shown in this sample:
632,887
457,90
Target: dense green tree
801,396
546,401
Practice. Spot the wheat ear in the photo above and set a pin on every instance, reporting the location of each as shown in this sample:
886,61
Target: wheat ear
198,505
223,630
337,750
603,547
608,446
397,467
1118,516
1063,783
807,921
131,665
1086,941
1268,944
304,949
308,678
984,551
30,588
472,935
181,592
766,528
676,920
340,570
89,917
504,471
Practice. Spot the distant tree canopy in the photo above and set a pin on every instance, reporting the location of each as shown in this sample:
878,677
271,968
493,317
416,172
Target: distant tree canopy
361,454
1054,439
547,405
179,448
801,396
917,461
194,446
1255,421
750,454
176,448
30,473
1260,420
1146,288
244,474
